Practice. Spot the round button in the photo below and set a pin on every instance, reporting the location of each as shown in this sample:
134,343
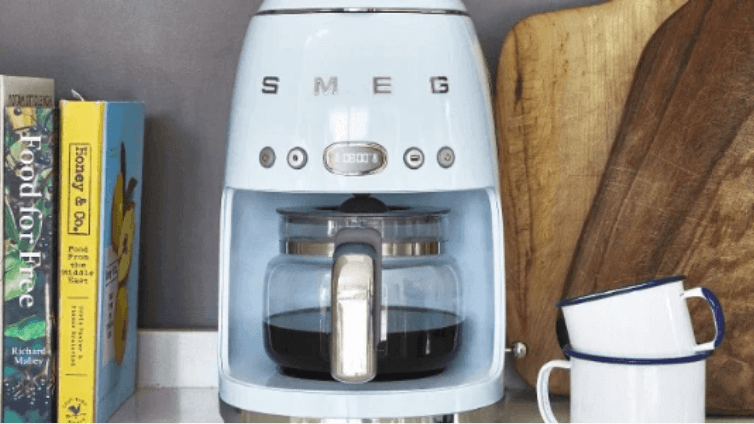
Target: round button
414,158
297,158
267,157
446,157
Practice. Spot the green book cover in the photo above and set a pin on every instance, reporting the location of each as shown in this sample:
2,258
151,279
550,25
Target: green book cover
30,278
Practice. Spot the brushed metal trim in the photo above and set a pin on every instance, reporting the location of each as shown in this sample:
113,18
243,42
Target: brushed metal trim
305,11
488,414
305,247
375,147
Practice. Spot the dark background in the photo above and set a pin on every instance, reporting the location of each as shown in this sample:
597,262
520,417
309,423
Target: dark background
179,57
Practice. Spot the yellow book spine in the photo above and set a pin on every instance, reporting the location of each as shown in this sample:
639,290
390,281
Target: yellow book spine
81,126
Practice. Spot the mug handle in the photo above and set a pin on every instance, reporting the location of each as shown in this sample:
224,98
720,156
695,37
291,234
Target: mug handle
717,314
543,385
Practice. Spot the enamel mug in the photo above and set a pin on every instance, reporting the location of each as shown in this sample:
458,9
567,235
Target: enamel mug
645,320
629,390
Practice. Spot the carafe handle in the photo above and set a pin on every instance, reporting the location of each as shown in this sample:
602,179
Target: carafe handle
355,291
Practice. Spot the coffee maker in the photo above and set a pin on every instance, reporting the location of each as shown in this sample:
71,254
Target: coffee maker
361,251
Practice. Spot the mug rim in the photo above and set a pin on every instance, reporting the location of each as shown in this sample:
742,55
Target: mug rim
636,361
647,284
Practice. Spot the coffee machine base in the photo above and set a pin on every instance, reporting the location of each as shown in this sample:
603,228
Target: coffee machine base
488,414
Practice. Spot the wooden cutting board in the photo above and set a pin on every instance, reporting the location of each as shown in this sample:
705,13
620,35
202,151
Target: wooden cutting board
676,195
562,83
563,80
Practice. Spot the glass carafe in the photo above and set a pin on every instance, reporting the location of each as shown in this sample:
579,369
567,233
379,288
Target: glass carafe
397,298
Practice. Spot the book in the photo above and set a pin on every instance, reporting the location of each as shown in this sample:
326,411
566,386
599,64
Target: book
25,92
101,161
29,256
21,91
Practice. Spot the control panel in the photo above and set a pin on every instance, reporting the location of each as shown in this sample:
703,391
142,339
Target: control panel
356,158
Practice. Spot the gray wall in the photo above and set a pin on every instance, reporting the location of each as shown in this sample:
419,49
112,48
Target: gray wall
178,56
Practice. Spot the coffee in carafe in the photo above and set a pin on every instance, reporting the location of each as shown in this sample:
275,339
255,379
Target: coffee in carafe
418,342
399,308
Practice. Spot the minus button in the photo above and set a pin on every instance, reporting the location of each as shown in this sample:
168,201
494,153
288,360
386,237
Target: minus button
413,158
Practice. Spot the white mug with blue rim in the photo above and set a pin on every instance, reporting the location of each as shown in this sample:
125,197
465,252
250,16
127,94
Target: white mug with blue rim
605,389
645,320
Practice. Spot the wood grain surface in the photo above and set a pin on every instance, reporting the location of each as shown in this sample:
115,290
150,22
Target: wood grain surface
677,194
563,80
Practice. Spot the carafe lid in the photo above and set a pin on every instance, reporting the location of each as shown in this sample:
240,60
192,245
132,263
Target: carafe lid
362,6
406,231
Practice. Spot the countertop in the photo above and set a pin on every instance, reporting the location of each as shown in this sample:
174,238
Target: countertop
162,405
178,383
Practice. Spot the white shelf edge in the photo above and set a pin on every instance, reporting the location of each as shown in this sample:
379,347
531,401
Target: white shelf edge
177,358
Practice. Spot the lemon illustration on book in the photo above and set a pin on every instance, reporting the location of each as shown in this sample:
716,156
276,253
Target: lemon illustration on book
122,233
120,326
126,241
116,213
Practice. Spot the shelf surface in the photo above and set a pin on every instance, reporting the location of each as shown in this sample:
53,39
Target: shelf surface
178,383
190,405
170,405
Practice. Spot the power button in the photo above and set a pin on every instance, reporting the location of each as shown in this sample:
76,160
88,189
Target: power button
297,158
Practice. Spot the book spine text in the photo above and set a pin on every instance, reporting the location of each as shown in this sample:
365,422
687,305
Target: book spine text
80,187
30,272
